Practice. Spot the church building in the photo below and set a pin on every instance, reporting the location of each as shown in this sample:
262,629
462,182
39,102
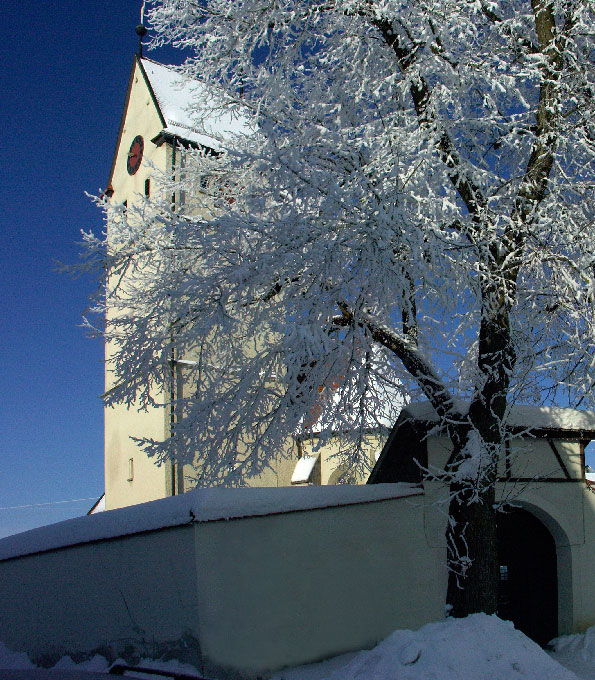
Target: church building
327,570
155,129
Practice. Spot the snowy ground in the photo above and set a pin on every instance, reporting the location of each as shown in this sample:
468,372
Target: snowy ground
577,652
479,647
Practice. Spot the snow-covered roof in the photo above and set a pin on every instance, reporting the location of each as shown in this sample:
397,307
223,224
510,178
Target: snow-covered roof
200,505
181,100
303,469
98,506
327,414
332,419
519,416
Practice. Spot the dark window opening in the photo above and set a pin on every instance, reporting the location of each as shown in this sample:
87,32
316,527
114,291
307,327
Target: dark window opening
147,187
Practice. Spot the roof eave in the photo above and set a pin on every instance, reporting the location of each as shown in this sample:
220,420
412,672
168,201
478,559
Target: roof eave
166,137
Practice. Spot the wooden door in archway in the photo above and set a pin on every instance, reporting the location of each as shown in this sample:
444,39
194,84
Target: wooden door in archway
528,593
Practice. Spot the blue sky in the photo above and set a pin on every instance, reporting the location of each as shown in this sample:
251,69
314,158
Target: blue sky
65,67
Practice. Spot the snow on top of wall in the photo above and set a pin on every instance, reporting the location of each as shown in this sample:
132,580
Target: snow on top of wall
200,505
181,99
520,416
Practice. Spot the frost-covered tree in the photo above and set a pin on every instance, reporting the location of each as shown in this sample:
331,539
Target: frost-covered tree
412,212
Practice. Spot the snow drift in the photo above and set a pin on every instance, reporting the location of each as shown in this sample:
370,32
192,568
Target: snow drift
478,647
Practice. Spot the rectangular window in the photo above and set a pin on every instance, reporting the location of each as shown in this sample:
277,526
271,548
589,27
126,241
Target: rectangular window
147,187
130,469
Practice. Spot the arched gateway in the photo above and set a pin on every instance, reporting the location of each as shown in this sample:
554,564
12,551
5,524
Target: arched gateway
547,536
528,594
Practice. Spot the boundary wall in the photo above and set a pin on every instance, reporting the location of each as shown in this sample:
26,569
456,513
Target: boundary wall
241,583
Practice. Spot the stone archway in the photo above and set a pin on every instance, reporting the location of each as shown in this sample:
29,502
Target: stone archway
528,575
342,475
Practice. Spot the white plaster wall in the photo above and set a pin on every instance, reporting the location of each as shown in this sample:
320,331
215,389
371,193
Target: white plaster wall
137,591
584,614
531,457
251,595
123,422
295,588
528,457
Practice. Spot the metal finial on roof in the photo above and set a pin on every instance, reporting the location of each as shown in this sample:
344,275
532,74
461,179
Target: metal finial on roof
141,31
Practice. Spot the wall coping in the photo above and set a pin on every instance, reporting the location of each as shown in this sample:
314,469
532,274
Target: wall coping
200,505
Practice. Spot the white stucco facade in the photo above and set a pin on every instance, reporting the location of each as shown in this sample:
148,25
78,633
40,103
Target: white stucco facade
130,477
157,110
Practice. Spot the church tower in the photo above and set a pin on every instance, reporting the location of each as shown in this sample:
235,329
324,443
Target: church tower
155,128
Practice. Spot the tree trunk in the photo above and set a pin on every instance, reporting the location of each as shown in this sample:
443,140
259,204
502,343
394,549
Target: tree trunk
473,554
471,534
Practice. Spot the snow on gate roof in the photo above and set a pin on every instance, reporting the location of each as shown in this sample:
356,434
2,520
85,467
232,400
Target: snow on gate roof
520,417
200,505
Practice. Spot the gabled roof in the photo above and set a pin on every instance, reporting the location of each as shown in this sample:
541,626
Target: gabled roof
405,453
325,413
180,100
532,419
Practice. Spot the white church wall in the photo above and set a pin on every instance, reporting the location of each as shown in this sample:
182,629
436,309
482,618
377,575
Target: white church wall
141,481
